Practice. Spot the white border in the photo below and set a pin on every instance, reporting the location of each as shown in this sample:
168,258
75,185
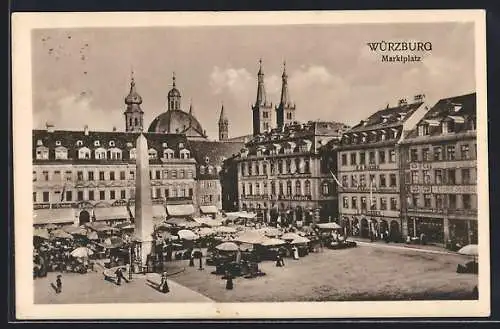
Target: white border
23,23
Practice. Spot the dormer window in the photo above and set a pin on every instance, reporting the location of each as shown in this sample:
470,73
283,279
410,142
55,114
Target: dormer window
84,153
394,133
42,153
129,144
383,135
210,169
202,170
39,142
115,154
184,154
181,145
164,145
79,143
100,154
58,143
112,143
97,143
168,154
61,153
423,130
133,153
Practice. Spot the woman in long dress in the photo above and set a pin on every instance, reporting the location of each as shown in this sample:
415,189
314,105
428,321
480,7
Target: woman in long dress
295,252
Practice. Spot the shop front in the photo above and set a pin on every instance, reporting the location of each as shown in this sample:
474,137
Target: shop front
431,228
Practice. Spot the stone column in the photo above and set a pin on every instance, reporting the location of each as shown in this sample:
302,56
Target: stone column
143,203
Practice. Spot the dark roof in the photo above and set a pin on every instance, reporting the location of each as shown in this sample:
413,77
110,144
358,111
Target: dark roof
215,151
390,114
459,106
122,140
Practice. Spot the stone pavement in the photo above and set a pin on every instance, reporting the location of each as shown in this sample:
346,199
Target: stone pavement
92,288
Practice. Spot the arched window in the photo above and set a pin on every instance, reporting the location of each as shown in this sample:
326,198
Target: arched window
61,153
298,188
307,187
133,153
288,188
84,153
42,153
153,154
100,153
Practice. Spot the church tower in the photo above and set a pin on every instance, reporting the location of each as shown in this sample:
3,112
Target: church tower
285,111
262,110
174,97
223,125
133,114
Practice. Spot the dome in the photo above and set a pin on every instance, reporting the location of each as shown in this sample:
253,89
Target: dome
176,121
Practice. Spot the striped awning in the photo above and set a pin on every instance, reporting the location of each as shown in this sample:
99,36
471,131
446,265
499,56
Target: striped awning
180,210
110,213
53,216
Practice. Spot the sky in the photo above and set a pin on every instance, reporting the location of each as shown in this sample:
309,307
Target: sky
81,76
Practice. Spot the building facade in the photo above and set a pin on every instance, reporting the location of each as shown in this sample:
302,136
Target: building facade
368,169
439,168
81,176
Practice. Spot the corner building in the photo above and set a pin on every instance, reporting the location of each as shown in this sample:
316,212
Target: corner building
368,167
439,167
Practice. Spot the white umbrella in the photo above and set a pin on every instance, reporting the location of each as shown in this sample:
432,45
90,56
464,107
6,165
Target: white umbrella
225,229
300,240
290,236
227,246
329,226
251,237
470,250
204,231
187,235
273,242
82,252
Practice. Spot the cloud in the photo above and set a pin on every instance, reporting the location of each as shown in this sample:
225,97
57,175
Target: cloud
233,80
70,111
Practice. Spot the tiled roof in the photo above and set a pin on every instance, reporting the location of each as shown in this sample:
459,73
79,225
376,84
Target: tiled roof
461,107
215,151
387,118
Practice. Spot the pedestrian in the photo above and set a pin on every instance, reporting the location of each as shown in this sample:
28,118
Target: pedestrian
164,284
59,284
191,258
120,276
229,280
295,252
278,260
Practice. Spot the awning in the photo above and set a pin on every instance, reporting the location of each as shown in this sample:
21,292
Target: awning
209,209
159,211
180,210
109,213
53,216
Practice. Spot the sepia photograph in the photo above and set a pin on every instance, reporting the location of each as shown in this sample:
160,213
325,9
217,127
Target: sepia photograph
250,165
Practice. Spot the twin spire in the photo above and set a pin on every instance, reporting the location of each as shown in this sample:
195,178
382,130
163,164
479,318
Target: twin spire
261,99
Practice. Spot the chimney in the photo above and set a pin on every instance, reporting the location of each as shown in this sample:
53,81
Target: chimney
49,127
86,130
419,98
114,128
402,102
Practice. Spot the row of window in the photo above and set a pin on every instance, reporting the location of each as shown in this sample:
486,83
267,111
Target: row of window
447,127
57,175
282,188
266,167
91,195
361,158
84,153
360,180
97,143
441,201
363,205
441,176
370,136
210,198
439,153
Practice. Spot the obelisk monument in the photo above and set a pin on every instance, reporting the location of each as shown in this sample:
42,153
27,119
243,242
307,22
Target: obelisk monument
143,204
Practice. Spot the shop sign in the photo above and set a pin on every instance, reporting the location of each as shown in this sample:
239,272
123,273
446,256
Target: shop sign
454,189
41,206
63,205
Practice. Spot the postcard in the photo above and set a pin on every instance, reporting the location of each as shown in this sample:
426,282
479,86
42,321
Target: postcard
231,165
